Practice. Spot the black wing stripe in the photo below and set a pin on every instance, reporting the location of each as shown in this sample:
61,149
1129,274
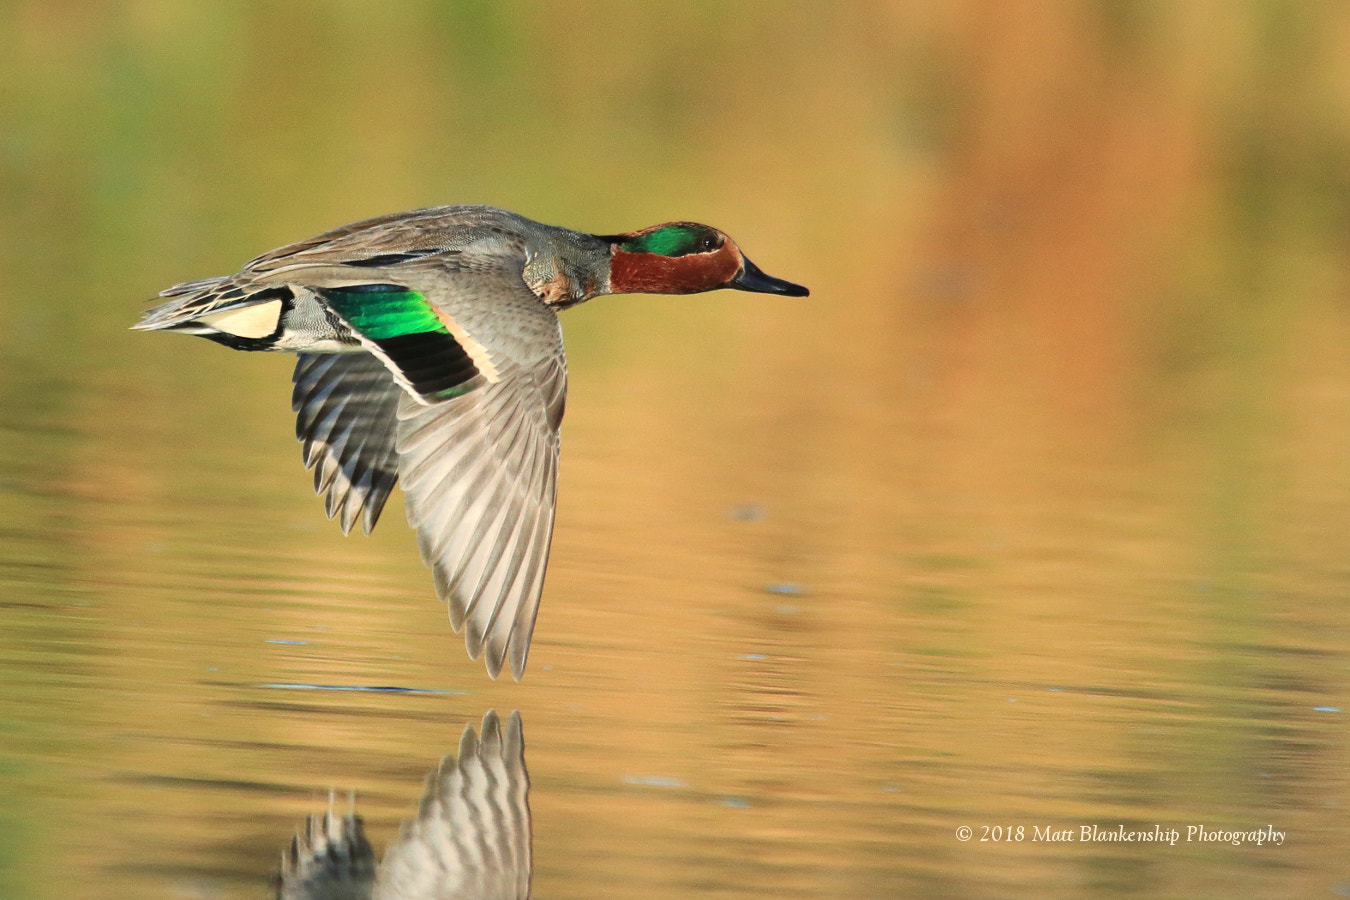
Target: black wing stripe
391,259
433,362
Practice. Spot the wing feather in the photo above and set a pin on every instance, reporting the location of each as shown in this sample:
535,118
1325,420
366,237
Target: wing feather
478,472
347,413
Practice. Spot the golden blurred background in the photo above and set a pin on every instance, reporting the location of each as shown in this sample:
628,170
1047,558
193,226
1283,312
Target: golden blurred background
1034,513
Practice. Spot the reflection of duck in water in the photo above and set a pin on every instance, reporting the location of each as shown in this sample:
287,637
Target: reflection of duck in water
471,837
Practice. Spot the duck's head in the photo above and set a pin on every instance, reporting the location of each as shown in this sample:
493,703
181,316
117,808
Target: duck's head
686,258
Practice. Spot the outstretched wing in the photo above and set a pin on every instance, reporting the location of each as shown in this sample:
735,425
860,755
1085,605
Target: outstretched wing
479,360
346,405
479,475
471,837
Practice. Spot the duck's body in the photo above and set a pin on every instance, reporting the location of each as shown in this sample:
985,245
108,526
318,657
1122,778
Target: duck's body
431,355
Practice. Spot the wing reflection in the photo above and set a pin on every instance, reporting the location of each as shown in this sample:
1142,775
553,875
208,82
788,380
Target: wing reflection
470,839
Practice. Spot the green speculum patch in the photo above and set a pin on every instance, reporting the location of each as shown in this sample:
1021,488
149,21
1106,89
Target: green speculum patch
679,239
403,325
381,311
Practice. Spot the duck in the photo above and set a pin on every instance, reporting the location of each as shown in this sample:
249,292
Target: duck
430,356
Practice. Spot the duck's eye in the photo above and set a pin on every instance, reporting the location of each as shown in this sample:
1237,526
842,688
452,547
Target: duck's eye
708,242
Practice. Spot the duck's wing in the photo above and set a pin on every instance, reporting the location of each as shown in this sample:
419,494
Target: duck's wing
478,358
479,470
471,837
346,406
479,473
330,859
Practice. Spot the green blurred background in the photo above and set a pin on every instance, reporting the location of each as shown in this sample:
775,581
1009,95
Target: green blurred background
1034,513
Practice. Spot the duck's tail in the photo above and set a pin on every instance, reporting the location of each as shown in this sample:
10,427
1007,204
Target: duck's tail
221,309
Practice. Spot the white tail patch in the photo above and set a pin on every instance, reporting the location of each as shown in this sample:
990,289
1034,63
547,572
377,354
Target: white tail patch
256,321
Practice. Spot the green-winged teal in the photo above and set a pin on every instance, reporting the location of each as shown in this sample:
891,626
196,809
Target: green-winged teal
431,355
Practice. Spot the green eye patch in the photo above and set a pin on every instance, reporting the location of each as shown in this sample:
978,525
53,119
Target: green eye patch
678,239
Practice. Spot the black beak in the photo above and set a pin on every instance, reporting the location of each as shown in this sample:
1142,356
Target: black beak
752,278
